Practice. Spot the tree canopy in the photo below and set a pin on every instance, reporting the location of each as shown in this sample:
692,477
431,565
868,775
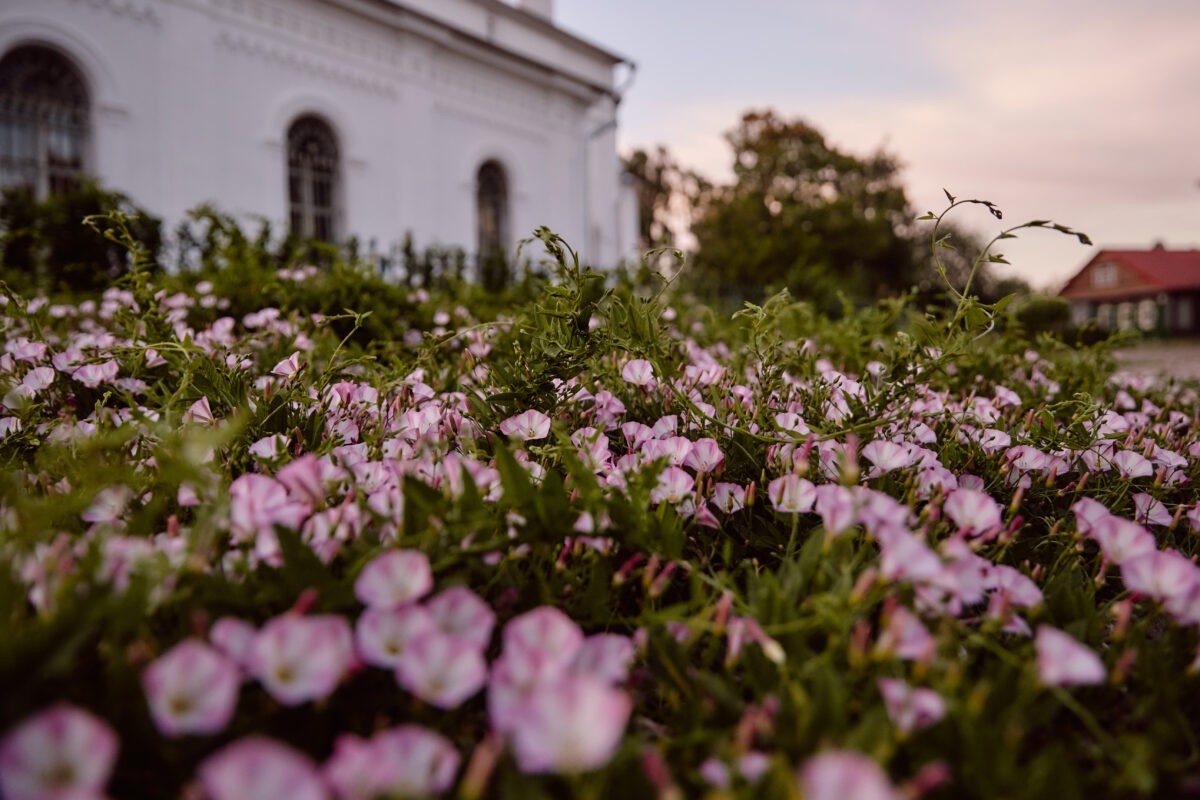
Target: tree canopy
804,214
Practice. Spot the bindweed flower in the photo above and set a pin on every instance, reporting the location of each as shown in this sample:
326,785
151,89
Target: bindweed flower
257,768
835,504
705,456
791,494
527,426
192,688
570,725
299,658
544,630
639,372
1130,465
1149,510
92,375
394,578
910,709
199,413
63,753
383,634
1120,539
1087,513
906,637
258,503
514,679
973,512
729,497
1064,661
752,765
606,656
460,612
304,480
405,761
1161,574
109,505
886,456
844,774
674,486
715,773
441,669
288,367
234,638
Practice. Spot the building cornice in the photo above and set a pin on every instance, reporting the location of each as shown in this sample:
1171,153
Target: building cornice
479,40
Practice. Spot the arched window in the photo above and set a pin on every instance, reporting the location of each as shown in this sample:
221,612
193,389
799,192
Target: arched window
491,204
313,179
44,122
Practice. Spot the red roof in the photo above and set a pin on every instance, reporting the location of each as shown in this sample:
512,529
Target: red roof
1152,271
1168,269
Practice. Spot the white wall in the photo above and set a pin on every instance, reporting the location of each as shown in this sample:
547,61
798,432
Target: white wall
192,100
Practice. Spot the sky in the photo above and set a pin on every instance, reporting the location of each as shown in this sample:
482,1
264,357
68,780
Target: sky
1086,112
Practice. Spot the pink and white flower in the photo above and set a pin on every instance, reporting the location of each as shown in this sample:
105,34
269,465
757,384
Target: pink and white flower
441,669
192,688
288,367
1064,661
571,725
1149,510
909,708
62,753
606,656
973,512
639,372
405,761
886,456
235,638
844,774
728,497
544,630
394,578
460,612
257,768
791,494
674,486
299,658
382,635
527,426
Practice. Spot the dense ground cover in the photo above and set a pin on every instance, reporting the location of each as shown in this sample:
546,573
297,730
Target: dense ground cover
606,543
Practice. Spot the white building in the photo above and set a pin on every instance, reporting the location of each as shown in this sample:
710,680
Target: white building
465,122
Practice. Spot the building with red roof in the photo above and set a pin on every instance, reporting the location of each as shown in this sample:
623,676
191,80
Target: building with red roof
1156,290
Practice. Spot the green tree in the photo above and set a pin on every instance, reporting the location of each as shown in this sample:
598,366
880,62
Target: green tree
805,215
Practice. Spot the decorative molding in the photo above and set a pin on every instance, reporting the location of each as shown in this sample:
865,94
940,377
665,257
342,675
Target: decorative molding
399,56
316,32
248,44
140,11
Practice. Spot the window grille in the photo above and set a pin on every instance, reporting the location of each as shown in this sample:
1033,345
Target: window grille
44,122
313,179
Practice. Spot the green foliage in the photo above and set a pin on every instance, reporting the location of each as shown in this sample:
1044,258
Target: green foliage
45,247
89,604
805,215
1043,313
